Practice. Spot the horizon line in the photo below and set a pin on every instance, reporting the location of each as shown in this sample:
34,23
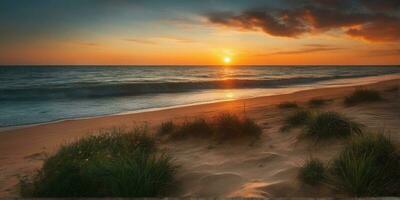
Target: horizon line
185,65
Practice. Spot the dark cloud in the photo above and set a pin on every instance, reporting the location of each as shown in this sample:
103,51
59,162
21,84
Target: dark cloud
282,23
336,4
322,15
380,29
325,18
381,5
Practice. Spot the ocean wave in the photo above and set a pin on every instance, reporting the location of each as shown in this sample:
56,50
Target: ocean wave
101,90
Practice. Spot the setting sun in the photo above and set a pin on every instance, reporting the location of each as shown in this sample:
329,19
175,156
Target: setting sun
227,60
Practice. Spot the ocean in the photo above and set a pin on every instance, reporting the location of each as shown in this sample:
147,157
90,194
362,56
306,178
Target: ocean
38,94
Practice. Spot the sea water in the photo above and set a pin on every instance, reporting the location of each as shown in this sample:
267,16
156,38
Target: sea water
37,94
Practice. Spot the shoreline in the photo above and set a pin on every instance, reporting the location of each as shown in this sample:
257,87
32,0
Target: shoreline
364,81
22,150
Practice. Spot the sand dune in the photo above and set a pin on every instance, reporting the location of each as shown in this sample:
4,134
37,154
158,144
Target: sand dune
267,168
270,167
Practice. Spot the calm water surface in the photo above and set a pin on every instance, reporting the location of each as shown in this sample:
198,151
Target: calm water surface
36,94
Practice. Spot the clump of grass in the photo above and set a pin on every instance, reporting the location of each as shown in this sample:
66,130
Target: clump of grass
362,96
317,102
393,89
327,125
113,164
166,128
298,118
226,126
368,166
231,126
251,128
312,172
288,105
198,128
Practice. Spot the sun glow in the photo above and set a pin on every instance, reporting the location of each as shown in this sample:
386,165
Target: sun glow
229,95
227,60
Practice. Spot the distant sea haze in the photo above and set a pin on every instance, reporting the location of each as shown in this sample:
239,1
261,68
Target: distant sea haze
37,94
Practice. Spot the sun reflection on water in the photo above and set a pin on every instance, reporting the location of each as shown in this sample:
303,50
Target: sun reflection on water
229,95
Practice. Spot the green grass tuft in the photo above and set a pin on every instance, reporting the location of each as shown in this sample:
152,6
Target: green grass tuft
298,118
114,164
317,102
312,172
331,125
368,166
226,126
198,128
395,88
231,126
166,128
288,105
362,96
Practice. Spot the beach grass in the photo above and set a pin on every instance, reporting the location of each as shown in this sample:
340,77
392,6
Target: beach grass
296,119
197,128
325,125
368,166
288,105
395,88
225,126
312,172
232,126
114,164
362,96
166,128
317,102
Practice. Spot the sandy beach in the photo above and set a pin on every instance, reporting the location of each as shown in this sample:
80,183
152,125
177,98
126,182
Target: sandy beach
266,169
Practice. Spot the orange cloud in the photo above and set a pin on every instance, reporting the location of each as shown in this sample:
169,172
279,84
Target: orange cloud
307,50
141,41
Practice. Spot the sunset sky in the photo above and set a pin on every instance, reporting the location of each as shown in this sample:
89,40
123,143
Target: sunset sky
184,32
